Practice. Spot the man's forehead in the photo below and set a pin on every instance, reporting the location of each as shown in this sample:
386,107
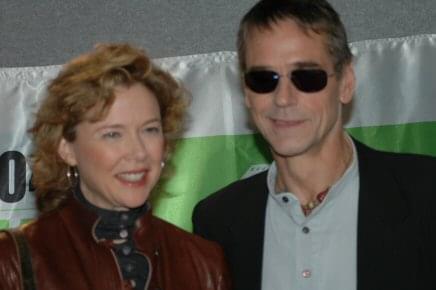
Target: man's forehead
265,28
288,31
287,38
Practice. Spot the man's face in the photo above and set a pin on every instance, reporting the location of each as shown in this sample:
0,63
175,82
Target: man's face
292,121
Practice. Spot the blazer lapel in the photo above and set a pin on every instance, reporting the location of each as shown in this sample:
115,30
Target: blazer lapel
247,234
380,209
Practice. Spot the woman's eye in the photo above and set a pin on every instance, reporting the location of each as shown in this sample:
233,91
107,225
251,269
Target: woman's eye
111,135
153,129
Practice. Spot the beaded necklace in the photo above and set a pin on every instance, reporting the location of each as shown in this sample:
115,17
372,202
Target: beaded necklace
310,206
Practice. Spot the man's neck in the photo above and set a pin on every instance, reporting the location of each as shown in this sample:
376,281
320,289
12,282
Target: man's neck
316,170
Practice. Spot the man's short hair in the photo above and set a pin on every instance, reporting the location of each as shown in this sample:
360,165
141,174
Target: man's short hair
315,15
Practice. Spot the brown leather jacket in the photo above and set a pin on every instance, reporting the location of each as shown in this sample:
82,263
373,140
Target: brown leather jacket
66,255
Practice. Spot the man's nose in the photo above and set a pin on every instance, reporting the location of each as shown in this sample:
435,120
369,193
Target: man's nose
285,94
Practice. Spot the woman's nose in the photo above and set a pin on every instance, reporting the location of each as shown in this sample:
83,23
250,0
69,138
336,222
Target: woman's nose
138,147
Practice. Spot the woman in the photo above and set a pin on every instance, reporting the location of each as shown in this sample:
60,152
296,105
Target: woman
100,142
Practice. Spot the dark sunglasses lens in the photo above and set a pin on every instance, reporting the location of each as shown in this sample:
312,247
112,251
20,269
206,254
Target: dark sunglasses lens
309,80
261,82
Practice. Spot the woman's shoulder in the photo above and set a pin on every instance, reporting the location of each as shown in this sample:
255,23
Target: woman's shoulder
180,238
7,244
183,258
187,248
9,262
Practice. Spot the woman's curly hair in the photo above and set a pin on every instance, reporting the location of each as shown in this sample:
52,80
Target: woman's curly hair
88,82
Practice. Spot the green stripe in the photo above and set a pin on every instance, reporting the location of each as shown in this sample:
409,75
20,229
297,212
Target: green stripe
417,138
203,165
4,224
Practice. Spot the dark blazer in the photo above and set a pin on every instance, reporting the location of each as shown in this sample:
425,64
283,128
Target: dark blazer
396,223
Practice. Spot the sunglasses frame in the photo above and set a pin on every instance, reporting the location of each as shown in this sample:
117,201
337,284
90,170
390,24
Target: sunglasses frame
297,81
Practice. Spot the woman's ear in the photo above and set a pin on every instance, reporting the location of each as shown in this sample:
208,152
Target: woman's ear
167,151
66,152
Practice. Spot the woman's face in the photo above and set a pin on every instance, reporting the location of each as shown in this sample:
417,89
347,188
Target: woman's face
119,157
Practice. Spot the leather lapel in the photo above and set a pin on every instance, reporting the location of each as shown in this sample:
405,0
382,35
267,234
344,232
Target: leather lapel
381,207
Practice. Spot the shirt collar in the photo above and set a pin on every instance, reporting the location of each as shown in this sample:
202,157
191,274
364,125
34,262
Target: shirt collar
111,221
350,173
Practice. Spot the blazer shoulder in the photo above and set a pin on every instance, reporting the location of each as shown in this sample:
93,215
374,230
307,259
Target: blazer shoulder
237,191
412,171
413,161
401,160
221,207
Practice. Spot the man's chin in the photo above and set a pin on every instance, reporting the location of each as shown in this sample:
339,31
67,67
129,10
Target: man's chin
287,150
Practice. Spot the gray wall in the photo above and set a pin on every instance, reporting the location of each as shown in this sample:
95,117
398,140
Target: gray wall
45,32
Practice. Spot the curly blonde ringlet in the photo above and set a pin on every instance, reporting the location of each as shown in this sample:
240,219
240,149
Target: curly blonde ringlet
84,91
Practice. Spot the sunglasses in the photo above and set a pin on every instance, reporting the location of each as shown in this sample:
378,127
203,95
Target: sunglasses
305,80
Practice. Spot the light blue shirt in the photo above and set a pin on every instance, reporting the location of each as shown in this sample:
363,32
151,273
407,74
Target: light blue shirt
314,252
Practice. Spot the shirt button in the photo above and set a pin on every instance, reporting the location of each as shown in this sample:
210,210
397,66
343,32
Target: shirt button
124,233
133,283
285,199
129,268
305,230
126,250
306,273
124,217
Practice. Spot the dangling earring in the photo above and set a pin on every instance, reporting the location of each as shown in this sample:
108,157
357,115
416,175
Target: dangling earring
162,164
72,175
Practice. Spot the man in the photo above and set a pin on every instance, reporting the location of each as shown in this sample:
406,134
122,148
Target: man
329,213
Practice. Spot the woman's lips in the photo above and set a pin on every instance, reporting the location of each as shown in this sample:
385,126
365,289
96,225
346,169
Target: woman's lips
133,178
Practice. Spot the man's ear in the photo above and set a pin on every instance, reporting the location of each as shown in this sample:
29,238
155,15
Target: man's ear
66,152
348,84
246,98
244,91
